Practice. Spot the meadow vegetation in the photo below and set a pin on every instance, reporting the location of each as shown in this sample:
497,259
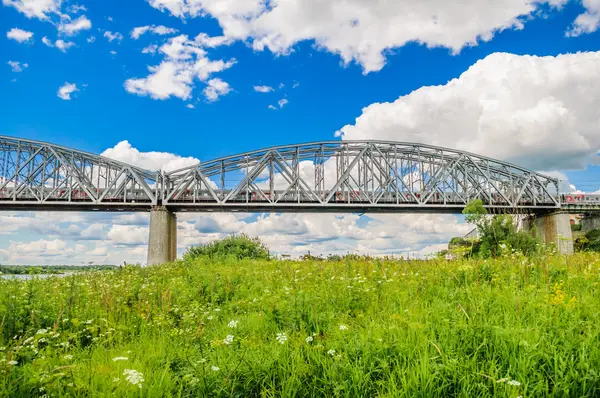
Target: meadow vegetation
351,327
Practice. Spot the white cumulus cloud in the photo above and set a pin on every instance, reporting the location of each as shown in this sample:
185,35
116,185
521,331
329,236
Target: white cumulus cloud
164,161
361,31
156,29
587,22
17,66
111,36
19,35
184,62
65,91
538,112
40,9
263,89
73,27
216,88
60,44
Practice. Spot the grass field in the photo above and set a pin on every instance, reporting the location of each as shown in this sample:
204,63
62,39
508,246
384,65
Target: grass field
358,328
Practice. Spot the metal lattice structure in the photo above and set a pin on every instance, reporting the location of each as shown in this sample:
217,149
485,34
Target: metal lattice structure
41,176
334,176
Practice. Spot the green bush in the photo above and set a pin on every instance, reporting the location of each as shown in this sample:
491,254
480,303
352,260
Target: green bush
498,234
589,242
236,246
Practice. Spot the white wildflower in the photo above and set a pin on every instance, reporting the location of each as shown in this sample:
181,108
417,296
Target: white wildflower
343,327
331,352
232,324
228,340
309,339
42,331
513,383
12,362
210,317
134,377
120,359
215,368
281,338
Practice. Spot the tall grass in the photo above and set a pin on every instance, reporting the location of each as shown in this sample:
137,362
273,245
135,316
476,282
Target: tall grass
359,328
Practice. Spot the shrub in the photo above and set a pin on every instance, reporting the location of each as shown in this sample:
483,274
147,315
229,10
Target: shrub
236,246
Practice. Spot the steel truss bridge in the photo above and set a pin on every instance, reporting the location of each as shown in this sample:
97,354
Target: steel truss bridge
331,176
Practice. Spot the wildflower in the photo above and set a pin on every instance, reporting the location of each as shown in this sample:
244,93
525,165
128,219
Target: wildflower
12,362
309,339
281,338
228,340
217,309
513,383
120,359
331,352
215,368
343,327
42,331
68,357
134,377
232,324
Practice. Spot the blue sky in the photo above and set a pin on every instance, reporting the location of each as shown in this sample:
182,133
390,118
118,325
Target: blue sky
333,64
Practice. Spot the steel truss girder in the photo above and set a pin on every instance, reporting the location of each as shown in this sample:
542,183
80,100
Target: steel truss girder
328,175
34,172
367,173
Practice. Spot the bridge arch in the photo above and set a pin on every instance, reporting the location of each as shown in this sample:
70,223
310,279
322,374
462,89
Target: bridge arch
361,176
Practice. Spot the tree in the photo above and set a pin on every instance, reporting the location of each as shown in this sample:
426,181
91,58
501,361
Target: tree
237,246
497,233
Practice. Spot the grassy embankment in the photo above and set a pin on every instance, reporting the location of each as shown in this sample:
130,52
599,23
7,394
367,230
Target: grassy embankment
508,327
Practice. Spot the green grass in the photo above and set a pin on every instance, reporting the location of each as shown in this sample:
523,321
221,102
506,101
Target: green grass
412,329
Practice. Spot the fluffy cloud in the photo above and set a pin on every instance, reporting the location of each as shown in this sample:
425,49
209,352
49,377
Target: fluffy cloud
157,30
73,27
185,61
110,36
165,161
17,66
263,89
538,112
280,104
60,44
361,31
19,35
151,49
587,22
40,9
216,88
65,91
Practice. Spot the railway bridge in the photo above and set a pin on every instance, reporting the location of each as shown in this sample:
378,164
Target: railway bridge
330,176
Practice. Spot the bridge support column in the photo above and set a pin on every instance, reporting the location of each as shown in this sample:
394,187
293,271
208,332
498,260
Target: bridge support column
555,228
589,223
162,239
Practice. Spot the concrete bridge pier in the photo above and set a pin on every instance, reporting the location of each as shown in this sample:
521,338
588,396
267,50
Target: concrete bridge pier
590,222
554,228
162,239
